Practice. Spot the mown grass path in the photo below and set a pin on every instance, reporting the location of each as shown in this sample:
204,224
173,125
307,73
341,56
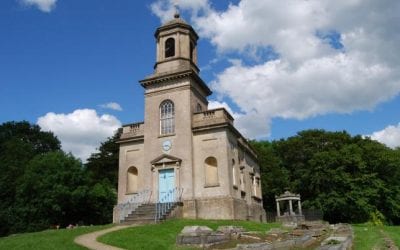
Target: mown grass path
90,240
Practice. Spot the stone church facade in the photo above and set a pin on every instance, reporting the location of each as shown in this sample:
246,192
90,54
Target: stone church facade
185,146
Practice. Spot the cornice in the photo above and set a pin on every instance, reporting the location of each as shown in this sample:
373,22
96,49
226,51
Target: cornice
155,79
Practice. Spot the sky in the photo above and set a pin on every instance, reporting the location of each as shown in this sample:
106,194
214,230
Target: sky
279,67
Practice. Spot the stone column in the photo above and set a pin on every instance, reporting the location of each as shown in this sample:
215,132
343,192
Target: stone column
300,212
278,211
290,207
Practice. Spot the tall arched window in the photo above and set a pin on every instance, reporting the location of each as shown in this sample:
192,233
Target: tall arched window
169,47
167,117
211,171
198,107
132,180
234,173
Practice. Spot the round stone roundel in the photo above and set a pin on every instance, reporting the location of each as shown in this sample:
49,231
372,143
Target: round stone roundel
166,145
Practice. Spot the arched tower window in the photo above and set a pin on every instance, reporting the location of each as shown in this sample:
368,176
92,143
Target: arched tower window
170,47
198,107
132,180
211,171
191,51
167,117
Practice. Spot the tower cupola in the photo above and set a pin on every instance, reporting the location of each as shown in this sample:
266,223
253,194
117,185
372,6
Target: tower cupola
176,47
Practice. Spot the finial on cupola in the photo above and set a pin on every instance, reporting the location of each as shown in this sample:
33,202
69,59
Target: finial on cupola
176,6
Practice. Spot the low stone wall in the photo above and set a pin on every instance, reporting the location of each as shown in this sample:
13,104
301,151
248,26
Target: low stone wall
340,239
202,236
224,208
290,219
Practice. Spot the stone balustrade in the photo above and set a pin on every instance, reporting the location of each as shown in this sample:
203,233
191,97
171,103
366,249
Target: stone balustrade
211,118
132,130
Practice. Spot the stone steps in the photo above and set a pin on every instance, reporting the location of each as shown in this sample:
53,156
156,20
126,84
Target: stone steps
145,214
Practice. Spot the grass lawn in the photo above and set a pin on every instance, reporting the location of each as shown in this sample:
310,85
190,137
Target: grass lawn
162,236
369,237
394,233
49,239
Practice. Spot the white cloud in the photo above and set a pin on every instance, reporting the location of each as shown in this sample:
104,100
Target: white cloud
165,9
245,123
43,5
308,76
320,86
81,131
216,104
112,106
389,136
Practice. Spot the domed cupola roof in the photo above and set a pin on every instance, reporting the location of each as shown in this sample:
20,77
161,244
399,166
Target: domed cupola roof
176,22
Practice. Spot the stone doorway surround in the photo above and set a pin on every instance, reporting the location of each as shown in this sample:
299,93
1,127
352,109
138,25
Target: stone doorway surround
164,161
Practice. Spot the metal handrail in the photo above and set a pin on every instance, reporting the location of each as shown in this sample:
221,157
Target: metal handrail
167,202
142,197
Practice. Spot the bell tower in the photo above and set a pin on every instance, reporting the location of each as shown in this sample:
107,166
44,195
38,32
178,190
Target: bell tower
176,47
173,93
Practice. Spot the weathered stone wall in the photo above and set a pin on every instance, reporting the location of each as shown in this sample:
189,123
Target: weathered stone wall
131,154
240,209
215,208
179,93
210,144
224,208
257,213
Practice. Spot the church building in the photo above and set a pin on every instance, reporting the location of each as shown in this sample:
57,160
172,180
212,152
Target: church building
184,151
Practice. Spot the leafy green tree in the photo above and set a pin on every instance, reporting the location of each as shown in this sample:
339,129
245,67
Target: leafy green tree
54,190
43,186
45,194
349,178
19,143
274,178
103,166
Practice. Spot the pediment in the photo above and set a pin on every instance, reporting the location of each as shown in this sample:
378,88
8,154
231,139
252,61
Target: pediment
165,159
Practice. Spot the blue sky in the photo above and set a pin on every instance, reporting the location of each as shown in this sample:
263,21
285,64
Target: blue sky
279,67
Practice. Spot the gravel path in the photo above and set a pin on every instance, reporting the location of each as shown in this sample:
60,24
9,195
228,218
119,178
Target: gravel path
89,240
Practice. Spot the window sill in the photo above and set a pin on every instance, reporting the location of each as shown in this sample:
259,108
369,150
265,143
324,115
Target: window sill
166,135
130,193
211,185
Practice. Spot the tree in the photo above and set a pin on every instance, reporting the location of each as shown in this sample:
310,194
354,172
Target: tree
103,166
19,143
348,178
42,186
54,190
274,178
46,190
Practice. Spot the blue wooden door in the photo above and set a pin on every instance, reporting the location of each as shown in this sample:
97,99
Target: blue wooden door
166,181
